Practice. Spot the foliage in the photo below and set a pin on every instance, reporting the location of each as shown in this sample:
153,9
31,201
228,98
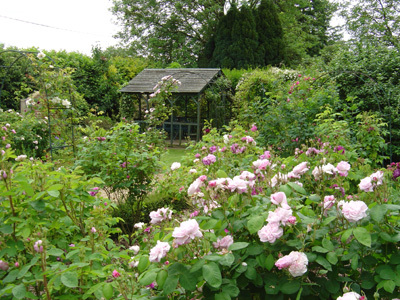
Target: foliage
28,134
371,75
183,31
247,37
341,253
55,235
373,22
125,160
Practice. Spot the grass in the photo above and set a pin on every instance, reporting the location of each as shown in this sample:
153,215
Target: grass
173,155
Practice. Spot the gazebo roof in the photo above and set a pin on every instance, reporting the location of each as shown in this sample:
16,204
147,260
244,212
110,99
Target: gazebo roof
194,81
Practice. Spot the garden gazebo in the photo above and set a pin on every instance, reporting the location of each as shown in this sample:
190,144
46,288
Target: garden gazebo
193,83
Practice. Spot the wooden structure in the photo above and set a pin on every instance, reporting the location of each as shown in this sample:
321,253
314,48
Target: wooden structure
193,84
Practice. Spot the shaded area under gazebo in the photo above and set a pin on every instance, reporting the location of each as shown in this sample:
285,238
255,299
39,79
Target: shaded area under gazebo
193,83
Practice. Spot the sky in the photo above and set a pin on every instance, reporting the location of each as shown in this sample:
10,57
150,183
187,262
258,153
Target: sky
71,25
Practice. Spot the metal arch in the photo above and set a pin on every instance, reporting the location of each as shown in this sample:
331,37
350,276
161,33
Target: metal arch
24,54
357,74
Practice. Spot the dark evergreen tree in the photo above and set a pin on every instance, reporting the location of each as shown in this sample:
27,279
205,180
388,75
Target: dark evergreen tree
244,39
221,56
270,49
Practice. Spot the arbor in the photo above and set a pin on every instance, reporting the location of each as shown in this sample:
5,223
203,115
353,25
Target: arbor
374,21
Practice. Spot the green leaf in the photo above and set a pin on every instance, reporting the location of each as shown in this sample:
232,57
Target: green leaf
221,174
237,246
222,296
143,263
227,259
387,273
389,286
55,187
38,205
299,189
148,277
290,287
269,262
27,187
328,220
286,189
55,252
231,289
319,249
92,290
19,291
212,274
108,290
332,258
209,224
170,284
255,223
327,244
346,234
363,236
70,279
188,281
323,262
377,213
11,276
55,194
6,229
161,277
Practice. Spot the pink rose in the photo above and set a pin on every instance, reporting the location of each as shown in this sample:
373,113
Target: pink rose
159,251
366,185
343,168
354,211
4,265
160,215
270,232
188,230
224,243
280,215
349,296
278,198
329,201
300,169
296,262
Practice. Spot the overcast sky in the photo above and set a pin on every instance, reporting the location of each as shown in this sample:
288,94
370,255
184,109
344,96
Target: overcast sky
71,25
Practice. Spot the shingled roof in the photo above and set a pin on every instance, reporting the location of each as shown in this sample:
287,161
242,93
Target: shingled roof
194,81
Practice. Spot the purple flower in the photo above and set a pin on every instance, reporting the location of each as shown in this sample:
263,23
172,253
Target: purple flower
396,174
209,159
213,149
339,149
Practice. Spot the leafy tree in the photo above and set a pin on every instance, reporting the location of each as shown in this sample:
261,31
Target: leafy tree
185,31
168,30
373,21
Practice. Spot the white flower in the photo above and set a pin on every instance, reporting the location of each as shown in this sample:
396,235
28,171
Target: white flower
192,171
329,169
175,165
41,55
135,249
349,296
66,103
139,225
20,158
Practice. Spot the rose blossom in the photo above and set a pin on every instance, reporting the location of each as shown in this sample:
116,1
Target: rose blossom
349,296
366,185
224,243
343,168
139,225
296,262
135,249
159,251
160,215
175,165
187,231
300,169
115,274
280,215
4,265
38,246
353,211
329,201
209,159
270,232
279,198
